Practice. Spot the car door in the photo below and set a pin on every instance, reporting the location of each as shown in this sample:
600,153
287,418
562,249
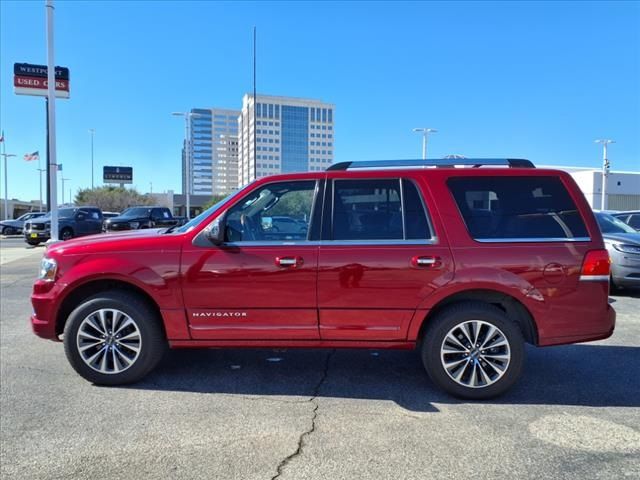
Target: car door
260,284
379,259
81,222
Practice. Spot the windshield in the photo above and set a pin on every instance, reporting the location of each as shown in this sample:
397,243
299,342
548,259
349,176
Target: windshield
610,224
136,212
204,215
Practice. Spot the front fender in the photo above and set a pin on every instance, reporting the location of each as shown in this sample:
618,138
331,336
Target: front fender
158,279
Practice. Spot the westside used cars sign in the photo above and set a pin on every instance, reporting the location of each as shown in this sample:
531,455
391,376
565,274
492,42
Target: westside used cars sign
30,79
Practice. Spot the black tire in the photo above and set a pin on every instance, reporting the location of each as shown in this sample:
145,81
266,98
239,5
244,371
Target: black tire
8,231
457,314
33,244
66,234
152,345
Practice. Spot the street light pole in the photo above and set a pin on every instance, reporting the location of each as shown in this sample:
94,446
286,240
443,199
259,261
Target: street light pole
51,95
92,131
425,135
6,191
605,171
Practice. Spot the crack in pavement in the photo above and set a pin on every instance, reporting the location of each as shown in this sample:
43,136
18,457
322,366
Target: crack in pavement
301,439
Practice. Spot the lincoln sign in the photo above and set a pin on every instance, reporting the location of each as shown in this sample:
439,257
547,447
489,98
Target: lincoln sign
29,79
117,175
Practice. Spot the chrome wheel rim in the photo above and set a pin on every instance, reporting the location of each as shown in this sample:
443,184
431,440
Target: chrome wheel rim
475,354
109,341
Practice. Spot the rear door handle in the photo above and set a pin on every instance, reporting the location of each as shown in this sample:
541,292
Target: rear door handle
292,262
426,262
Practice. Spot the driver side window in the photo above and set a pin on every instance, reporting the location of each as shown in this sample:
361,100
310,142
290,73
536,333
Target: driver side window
277,212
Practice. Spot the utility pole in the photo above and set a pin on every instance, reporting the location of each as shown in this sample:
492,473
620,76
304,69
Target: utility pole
6,191
51,79
255,131
92,131
425,134
605,171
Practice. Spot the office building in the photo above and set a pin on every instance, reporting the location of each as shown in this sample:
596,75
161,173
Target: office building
214,160
291,135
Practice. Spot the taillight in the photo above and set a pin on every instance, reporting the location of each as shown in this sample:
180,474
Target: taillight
596,266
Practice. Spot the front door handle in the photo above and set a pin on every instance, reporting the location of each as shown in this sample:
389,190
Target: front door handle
426,262
290,262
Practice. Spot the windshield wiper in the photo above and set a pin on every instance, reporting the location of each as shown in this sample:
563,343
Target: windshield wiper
171,228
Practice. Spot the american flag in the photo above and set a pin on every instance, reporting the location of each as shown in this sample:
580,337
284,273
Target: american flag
2,136
29,157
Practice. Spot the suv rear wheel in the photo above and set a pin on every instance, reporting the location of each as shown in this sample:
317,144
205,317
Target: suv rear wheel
472,350
113,338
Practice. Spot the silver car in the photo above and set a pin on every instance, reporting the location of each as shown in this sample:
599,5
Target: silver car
623,245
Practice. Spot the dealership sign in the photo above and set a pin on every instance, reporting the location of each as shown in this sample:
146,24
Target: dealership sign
117,174
29,79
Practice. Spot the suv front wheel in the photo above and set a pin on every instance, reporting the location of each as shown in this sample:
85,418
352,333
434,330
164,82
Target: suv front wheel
113,338
472,350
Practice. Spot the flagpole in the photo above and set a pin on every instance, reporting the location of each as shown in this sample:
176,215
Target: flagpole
40,170
51,79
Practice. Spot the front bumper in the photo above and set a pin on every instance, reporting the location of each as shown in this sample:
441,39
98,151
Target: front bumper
45,307
625,269
37,235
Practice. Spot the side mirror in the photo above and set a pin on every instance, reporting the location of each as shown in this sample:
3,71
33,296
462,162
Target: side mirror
215,232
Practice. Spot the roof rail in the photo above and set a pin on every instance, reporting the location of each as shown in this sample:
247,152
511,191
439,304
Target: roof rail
440,163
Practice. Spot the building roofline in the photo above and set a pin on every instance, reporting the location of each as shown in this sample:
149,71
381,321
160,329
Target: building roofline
283,99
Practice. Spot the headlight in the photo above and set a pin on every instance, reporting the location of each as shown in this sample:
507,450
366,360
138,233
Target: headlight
623,247
134,224
48,269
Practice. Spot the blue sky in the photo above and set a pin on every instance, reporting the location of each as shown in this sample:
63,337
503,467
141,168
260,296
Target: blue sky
537,80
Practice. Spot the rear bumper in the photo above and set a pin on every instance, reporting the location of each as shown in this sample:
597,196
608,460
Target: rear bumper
605,330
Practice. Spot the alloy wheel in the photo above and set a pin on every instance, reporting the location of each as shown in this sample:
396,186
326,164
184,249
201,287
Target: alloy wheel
109,341
475,354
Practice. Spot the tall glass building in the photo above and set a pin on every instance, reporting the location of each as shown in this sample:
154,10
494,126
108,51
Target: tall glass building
290,135
213,135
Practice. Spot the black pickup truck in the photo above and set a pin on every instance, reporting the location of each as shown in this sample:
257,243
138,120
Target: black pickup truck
135,218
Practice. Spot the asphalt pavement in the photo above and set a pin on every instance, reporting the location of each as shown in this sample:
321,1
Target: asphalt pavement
312,414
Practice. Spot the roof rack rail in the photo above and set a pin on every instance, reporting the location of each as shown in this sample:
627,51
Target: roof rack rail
440,163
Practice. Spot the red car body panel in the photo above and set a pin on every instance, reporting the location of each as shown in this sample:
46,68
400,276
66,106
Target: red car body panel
337,295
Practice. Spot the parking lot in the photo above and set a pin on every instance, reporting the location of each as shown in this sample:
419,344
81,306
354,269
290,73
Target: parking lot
302,414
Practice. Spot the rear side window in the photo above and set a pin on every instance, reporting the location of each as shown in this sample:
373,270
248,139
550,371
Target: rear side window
517,208
373,210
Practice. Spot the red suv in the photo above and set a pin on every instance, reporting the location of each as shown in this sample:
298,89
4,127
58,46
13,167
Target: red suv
466,264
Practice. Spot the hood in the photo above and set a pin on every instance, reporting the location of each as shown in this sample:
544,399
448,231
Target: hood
111,240
121,219
628,238
12,223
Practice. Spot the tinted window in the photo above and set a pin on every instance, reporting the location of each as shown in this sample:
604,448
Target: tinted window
634,221
278,211
416,225
517,208
367,210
